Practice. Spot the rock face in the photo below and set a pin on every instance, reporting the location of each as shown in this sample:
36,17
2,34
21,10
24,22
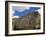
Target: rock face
29,21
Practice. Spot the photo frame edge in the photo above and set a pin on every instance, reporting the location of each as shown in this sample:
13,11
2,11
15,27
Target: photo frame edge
6,18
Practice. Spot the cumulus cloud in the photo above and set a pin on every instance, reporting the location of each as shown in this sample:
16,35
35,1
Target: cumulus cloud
13,12
20,8
39,10
27,8
15,17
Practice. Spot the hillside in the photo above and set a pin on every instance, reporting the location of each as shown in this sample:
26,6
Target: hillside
29,21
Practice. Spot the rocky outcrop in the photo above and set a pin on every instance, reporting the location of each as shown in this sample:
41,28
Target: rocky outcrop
29,21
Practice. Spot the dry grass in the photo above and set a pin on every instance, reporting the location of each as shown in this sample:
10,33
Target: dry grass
29,21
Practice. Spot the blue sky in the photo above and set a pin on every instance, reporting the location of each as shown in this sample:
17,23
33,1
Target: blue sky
22,11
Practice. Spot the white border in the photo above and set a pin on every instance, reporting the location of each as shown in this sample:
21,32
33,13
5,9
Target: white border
24,31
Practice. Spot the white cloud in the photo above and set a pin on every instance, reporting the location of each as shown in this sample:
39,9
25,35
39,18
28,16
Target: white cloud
20,8
39,10
27,8
13,12
15,17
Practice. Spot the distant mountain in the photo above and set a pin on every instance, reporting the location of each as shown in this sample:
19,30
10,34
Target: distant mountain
26,11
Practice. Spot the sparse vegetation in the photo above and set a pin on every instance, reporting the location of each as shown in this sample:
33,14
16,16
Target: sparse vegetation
30,21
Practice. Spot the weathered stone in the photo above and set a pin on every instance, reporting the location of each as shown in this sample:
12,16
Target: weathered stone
30,21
